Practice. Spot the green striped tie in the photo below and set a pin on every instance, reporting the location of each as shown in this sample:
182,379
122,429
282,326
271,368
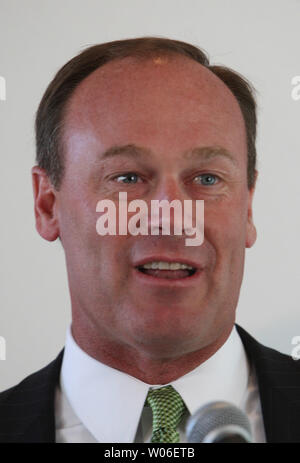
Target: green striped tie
167,410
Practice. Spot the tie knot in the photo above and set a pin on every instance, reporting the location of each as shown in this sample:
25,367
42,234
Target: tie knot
167,409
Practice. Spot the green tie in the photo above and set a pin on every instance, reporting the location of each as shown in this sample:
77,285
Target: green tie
167,410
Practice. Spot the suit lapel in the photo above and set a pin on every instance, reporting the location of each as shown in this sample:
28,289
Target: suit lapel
278,377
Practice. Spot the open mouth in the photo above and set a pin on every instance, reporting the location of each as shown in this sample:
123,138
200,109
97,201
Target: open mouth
171,271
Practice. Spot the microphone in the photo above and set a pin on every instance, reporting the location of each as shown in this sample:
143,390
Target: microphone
218,422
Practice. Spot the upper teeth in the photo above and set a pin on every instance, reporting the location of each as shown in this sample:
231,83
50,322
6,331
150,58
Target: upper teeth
167,266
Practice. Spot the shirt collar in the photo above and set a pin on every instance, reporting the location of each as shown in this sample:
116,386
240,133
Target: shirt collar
96,391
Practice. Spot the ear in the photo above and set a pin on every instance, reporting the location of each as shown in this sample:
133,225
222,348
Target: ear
251,230
44,204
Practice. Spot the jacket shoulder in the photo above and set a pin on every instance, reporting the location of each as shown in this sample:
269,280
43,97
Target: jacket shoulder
271,359
35,380
278,377
30,401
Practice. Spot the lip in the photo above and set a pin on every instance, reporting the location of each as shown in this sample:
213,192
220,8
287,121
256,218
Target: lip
168,282
156,258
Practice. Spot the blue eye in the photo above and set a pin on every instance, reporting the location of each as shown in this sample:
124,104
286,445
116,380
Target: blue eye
128,178
207,179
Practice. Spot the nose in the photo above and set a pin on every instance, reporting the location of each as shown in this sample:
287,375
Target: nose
169,188
167,206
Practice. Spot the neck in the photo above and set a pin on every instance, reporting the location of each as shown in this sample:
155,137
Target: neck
140,364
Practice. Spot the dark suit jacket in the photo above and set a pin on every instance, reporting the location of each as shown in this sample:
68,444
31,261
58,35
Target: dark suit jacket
27,411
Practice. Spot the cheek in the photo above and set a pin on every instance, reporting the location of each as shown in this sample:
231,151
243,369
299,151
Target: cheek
77,224
82,243
226,226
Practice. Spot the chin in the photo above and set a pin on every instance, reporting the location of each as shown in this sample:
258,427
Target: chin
165,341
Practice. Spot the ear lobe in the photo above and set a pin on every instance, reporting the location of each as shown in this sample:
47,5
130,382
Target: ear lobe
251,235
44,205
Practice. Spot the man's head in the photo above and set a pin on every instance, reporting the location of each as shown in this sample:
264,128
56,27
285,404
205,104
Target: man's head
168,121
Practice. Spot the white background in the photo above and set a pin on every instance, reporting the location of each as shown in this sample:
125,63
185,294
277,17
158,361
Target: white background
258,38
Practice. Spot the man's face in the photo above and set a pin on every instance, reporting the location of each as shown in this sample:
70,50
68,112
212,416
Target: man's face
168,108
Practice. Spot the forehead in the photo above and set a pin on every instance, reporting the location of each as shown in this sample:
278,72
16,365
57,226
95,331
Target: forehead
133,100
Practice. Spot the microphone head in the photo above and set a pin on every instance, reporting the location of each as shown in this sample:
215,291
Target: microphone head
218,422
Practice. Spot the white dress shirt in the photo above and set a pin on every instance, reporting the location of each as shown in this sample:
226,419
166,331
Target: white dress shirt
97,403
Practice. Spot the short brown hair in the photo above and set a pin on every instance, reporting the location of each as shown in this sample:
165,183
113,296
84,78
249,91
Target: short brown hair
50,114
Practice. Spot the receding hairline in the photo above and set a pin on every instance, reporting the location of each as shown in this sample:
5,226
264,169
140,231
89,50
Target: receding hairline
157,58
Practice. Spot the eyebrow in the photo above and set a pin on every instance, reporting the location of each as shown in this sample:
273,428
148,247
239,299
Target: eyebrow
205,153
130,150
210,152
